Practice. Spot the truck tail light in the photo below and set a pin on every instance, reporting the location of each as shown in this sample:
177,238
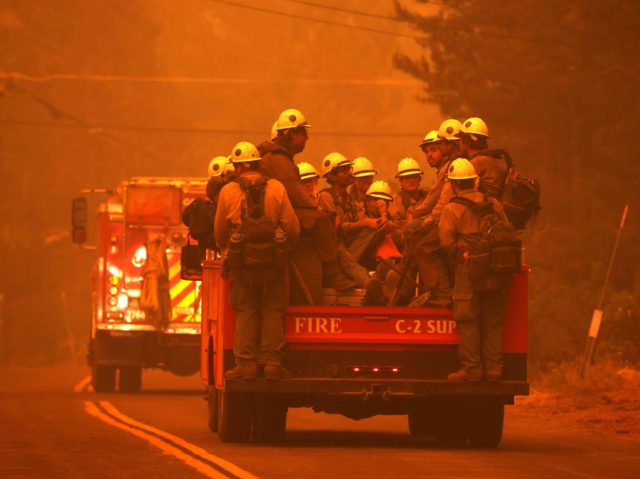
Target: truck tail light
377,371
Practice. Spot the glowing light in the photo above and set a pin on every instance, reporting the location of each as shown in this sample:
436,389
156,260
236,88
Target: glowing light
356,370
375,370
114,271
113,301
139,257
134,293
123,301
114,280
394,370
113,290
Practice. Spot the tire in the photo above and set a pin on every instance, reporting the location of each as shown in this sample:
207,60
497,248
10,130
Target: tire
451,427
270,420
486,424
212,408
421,421
234,417
130,380
103,378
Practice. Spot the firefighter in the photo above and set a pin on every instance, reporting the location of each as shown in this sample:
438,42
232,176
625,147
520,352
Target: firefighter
410,195
362,173
278,162
308,179
334,200
492,172
478,304
220,170
258,286
440,149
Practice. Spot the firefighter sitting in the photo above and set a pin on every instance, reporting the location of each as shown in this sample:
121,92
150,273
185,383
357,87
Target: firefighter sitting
254,227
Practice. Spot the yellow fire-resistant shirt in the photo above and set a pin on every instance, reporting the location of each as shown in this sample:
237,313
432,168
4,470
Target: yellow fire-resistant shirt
277,208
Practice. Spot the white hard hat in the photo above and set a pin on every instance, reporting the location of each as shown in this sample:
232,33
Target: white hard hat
307,171
475,126
461,169
217,165
244,152
380,189
450,129
362,167
333,161
408,166
291,118
274,130
431,137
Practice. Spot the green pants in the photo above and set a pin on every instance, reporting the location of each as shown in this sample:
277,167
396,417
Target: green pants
258,298
479,316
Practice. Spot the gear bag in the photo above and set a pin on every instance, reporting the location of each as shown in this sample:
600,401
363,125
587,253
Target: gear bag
198,217
496,250
520,196
256,243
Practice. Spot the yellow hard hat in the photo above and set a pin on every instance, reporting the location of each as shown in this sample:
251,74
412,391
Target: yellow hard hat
475,126
380,189
362,167
291,118
307,171
217,165
461,169
431,137
228,167
244,152
408,166
333,161
450,129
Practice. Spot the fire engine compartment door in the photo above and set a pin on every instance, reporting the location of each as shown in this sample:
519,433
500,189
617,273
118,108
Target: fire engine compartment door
153,205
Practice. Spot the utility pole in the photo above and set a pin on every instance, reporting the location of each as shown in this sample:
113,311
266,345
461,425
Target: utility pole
596,317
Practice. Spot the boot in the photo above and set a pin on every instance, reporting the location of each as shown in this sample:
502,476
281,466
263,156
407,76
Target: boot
493,375
276,371
333,277
462,375
242,371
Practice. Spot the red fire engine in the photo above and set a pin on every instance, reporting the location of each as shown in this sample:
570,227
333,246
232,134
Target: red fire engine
359,362
143,314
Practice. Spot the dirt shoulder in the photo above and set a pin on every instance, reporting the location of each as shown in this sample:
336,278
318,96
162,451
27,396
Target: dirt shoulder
607,401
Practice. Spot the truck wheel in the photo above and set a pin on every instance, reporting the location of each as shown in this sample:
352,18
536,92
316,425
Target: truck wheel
485,428
270,421
103,378
212,408
130,379
234,417
421,421
451,427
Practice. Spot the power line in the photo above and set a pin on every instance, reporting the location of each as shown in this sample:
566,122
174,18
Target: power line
502,36
26,77
318,20
347,10
95,128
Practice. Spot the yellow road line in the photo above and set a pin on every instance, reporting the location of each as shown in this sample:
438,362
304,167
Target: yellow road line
208,471
78,388
132,424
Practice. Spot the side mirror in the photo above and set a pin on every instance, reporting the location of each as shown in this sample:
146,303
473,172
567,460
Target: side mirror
79,220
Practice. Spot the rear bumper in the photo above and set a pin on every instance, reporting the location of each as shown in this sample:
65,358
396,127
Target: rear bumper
384,388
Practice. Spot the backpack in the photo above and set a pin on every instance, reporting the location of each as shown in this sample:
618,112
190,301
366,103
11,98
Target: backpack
520,196
256,243
198,217
496,248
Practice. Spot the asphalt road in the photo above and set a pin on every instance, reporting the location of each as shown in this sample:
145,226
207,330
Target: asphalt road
48,431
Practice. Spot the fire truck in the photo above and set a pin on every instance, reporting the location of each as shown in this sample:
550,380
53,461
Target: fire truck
360,362
144,315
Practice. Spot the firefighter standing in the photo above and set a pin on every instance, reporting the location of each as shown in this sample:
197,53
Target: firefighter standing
258,286
292,135
478,303
491,171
